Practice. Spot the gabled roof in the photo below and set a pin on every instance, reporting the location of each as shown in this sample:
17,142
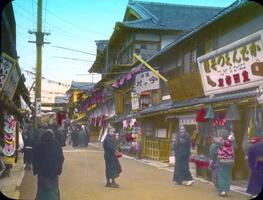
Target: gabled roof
226,11
164,16
81,85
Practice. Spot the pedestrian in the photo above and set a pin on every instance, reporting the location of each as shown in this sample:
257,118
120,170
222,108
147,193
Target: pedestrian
28,151
182,151
113,168
213,165
69,135
87,136
2,164
225,162
82,137
255,160
47,165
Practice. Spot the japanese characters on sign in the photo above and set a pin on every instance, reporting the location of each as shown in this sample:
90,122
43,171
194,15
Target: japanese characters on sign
233,67
135,101
12,83
6,64
146,81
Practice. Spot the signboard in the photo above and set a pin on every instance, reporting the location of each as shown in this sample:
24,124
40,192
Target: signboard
236,66
187,120
38,107
6,66
146,81
12,83
135,101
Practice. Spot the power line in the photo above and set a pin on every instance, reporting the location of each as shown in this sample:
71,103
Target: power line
55,26
73,50
72,58
76,24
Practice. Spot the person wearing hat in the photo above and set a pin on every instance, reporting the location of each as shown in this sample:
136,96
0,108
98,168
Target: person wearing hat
182,151
47,165
111,161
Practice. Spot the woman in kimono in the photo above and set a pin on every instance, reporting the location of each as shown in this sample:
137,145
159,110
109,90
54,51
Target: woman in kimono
47,165
113,168
182,150
225,162
255,160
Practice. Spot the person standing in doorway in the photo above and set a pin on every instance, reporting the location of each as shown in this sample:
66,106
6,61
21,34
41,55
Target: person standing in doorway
113,168
47,165
182,150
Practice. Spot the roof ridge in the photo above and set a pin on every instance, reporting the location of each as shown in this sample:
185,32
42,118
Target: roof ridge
176,4
154,18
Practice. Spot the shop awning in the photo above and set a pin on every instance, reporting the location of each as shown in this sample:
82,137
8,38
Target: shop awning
169,106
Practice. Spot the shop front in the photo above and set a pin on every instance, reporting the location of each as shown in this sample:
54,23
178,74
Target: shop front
10,114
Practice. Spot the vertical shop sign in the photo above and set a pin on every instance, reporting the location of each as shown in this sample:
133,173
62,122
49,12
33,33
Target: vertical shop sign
135,102
236,66
6,66
12,83
38,107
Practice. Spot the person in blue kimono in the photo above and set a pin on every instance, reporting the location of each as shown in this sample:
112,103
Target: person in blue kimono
213,165
182,150
47,165
255,160
112,164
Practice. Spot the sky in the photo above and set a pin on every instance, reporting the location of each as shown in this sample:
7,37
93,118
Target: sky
75,25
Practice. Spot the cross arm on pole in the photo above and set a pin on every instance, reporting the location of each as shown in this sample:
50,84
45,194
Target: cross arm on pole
149,67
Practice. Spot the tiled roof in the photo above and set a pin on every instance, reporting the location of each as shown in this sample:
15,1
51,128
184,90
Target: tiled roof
81,85
219,15
165,106
163,16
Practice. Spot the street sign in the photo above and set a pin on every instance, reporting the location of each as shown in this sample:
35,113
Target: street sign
38,107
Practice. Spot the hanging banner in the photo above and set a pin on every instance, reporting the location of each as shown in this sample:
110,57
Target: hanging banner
38,107
135,101
146,81
6,65
236,66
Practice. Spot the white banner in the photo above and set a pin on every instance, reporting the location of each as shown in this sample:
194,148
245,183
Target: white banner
38,107
236,66
146,81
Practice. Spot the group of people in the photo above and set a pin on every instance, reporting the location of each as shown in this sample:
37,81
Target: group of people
222,159
43,151
78,136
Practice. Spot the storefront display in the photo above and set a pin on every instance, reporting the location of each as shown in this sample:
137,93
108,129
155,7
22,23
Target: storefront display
132,143
9,147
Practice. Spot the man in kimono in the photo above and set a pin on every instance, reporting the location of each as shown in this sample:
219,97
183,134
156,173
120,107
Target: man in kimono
182,150
255,160
47,165
111,161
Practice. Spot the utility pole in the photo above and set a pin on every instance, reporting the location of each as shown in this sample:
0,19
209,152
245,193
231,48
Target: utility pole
39,43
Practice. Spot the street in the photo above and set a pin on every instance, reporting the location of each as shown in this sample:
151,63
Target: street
83,177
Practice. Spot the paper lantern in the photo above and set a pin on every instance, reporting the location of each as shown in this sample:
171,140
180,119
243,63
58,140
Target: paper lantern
200,117
233,113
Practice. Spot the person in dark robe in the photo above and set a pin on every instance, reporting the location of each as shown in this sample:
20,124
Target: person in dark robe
28,151
47,165
112,164
255,160
82,137
182,150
